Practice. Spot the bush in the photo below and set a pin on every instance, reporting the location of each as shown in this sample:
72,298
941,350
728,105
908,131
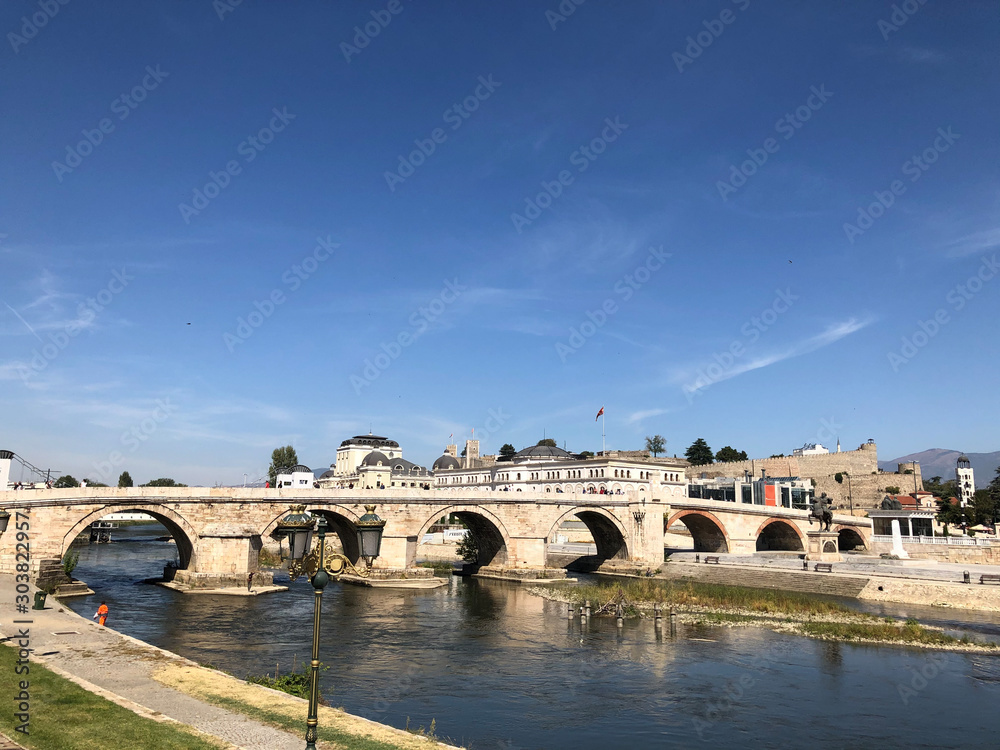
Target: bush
293,683
69,561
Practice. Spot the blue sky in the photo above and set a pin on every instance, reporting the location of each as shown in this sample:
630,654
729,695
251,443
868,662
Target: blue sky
493,216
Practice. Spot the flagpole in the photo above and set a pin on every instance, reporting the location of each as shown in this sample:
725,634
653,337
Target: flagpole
604,449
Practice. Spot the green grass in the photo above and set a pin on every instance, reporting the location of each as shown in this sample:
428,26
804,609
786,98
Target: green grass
297,725
716,596
64,716
293,683
909,632
437,565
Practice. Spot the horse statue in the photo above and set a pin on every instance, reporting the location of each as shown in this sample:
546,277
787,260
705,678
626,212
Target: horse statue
821,511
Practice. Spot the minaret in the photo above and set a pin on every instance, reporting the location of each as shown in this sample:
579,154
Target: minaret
838,445
964,481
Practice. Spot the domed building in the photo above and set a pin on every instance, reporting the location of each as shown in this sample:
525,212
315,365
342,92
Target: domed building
297,476
373,462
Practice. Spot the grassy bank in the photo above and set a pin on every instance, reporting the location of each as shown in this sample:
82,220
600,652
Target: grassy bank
688,594
64,716
284,712
785,611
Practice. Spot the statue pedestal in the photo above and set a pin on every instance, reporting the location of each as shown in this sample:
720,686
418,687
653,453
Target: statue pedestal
823,546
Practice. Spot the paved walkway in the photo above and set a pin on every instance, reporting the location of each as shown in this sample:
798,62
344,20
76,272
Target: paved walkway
121,666
866,565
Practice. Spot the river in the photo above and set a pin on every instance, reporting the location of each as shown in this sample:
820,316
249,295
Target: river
498,668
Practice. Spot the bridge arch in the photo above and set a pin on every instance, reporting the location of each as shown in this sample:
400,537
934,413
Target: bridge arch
849,537
342,522
707,531
177,525
486,528
779,534
608,532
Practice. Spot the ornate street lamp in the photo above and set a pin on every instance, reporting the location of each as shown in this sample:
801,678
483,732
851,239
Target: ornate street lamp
320,565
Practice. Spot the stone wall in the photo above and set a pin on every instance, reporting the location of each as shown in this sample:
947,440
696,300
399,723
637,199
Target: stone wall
866,486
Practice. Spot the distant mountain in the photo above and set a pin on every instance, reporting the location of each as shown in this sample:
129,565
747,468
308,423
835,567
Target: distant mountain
941,462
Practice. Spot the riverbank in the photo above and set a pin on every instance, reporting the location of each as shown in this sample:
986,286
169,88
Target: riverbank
739,606
162,687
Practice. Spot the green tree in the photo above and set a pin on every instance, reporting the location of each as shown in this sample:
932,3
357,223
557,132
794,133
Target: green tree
655,444
507,451
984,507
548,442
838,478
468,548
281,458
950,513
586,454
125,480
92,483
892,490
936,487
699,454
162,482
729,453
65,481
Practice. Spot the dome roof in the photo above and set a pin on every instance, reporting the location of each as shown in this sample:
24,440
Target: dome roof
963,459
543,451
300,468
375,458
447,461
371,441
327,474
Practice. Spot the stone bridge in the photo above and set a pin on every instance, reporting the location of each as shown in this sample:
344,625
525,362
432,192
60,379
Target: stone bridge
220,531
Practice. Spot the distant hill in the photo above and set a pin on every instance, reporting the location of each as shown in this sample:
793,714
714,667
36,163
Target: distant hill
941,462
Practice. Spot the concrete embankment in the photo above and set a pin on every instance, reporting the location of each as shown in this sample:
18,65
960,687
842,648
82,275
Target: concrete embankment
898,588
162,685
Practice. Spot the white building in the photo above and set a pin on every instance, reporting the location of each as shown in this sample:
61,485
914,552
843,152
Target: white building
373,462
810,449
965,481
352,452
542,468
297,476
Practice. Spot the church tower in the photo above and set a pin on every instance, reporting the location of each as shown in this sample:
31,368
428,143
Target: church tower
964,481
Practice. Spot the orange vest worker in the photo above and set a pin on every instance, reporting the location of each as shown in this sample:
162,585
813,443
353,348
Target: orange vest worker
102,614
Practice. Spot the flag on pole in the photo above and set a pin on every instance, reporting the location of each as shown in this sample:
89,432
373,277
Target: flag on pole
473,432
451,436
599,414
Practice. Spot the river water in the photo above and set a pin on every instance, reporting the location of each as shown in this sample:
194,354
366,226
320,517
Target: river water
498,668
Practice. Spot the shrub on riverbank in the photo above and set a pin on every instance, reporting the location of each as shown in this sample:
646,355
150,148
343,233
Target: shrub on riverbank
909,632
711,595
293,683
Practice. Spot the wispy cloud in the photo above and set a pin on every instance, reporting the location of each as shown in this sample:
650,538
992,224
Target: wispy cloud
639,416
974,243
689,375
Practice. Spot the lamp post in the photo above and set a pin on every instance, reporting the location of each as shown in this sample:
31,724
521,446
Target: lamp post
320,565
850,493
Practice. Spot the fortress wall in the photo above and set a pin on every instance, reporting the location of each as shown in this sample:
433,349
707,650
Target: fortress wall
867,484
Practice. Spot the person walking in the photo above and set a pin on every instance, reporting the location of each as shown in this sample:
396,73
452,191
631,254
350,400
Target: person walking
101,615
249,581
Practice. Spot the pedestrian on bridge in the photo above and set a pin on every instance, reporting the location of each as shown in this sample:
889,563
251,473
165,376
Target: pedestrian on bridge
101,615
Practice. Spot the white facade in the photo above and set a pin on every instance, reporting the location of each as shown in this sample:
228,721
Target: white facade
352,452
5,459
810,449
965,481
567,474
299,477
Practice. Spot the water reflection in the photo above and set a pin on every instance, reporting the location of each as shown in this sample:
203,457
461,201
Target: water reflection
492,664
